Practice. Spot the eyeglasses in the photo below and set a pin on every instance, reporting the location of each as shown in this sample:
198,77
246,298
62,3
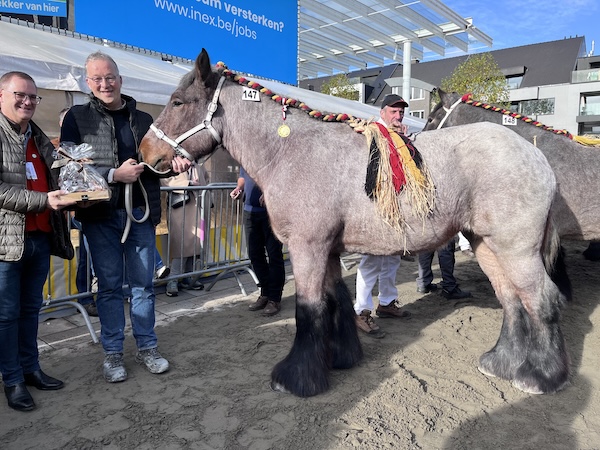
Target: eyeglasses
21,96
111,79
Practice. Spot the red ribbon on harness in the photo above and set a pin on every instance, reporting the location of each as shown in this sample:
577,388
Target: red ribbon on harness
398,177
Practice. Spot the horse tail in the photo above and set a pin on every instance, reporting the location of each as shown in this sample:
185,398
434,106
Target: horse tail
553,254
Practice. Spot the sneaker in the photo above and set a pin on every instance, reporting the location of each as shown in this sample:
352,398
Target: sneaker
91,309
468,253
272,308
113,368
366,324
431,287
189,283
172,289
455,294
162,272
259,304
153,360
392,311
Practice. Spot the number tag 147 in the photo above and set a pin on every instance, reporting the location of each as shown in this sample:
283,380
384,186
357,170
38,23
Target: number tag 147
251,95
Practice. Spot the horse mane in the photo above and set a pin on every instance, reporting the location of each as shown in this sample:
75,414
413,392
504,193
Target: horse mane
356,123
468,100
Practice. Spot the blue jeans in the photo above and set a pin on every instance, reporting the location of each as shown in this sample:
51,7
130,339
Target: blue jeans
259,236
21,287
110,258
446,260
85,271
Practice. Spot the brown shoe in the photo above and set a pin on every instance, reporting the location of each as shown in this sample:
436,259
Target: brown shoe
366,324
259,304
393,311
272,308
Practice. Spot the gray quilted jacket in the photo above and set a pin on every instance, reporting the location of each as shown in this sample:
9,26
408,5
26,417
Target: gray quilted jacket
16,200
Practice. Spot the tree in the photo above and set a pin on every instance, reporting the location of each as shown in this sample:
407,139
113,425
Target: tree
340,86
479,75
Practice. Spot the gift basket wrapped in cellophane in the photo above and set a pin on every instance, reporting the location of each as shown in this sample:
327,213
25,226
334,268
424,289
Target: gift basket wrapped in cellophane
78,177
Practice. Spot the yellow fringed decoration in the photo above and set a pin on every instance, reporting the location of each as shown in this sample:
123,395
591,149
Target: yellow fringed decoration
419,187
586,140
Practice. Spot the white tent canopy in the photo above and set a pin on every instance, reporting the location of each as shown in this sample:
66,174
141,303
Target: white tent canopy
55,61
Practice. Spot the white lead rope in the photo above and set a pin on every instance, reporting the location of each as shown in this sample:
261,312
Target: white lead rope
129,203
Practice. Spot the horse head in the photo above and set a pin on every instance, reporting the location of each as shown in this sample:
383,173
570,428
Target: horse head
185,126
441,114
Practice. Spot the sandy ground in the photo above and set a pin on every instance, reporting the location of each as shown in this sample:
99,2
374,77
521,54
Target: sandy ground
418,388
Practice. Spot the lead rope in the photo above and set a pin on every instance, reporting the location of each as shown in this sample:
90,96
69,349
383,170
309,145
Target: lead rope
129,202
129,197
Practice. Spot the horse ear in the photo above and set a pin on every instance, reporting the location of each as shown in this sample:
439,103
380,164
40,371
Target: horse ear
203,69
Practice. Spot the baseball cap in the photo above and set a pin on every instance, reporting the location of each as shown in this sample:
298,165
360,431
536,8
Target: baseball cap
393,100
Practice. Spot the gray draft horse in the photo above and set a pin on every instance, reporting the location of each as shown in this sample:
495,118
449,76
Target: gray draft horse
488,181
576,209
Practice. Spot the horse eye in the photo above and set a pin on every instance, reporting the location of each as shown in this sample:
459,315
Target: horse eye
176,103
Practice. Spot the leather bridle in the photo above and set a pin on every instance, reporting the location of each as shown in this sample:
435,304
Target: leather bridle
205,125
179,151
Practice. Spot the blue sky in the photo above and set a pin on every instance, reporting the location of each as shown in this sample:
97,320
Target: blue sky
512,23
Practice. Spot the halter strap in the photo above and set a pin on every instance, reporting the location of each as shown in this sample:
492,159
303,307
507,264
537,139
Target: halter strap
206,124
448,112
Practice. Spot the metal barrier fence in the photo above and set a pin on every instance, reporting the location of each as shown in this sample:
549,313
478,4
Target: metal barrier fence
207,229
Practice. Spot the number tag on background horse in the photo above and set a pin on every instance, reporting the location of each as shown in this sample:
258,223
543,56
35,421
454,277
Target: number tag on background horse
509,120
251,95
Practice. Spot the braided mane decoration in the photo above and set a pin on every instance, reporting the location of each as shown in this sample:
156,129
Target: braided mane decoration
418,184
329,117
468,99
583,140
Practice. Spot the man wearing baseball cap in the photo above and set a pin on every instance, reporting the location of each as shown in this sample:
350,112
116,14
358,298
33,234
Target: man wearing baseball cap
383,268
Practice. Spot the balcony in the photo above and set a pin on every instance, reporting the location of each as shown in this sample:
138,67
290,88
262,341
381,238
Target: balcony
585,76
592,109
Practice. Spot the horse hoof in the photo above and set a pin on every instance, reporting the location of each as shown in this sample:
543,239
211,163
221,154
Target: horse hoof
486,372
527,388
277,387
532,381
492,365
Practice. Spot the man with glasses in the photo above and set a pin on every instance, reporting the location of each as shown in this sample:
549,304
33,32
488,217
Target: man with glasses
111,123
31,229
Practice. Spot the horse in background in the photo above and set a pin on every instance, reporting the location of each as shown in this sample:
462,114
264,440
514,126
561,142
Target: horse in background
488,181
576,209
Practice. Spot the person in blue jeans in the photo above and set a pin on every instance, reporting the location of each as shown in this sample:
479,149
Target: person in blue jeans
111,123
32,228
449,285
260,237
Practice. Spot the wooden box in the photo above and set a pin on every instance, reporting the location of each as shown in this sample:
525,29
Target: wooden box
89,195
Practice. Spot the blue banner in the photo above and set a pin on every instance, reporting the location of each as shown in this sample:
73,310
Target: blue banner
37,7
258,38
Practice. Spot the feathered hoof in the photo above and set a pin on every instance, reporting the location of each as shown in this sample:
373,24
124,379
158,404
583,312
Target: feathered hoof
491,365
486,372
299,380
279,388
534,381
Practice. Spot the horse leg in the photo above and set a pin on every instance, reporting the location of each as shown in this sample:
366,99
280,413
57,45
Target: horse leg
510,350
304,371
546,367
346,350
531,350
